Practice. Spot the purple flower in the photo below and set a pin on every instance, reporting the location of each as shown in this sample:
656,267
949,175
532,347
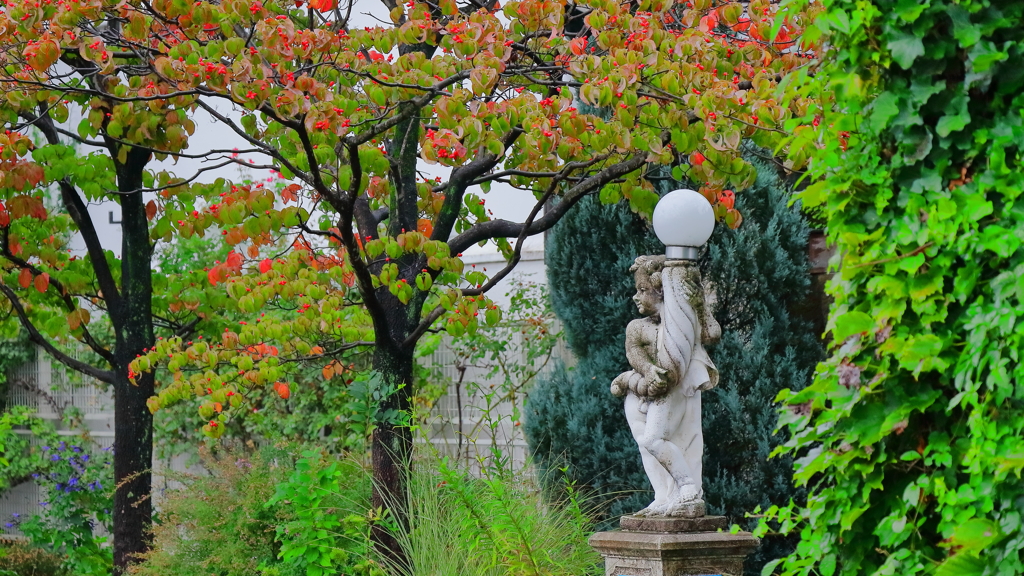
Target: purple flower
85,457
9,525
55,457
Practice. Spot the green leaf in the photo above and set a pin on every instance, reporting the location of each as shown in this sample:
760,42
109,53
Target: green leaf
961,565
984,54
956,118
976,535
905,49
964,30
852,323
919,349
770,567
884,109
910,10
828,565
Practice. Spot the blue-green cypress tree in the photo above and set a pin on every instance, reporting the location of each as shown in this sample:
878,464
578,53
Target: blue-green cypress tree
572,418
760,275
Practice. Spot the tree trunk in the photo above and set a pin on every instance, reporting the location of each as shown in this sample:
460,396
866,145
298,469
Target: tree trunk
392,449
133,324
133,458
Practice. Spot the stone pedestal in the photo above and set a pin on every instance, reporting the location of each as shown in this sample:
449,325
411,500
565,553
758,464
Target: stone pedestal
673,547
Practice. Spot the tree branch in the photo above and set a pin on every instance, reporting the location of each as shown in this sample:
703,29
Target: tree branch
506,229
37,338
79,213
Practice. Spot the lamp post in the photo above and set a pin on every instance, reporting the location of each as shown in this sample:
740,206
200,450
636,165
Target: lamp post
683,221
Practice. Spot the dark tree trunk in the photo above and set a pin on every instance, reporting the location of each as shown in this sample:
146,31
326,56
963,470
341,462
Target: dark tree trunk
133,457
133,325
392,448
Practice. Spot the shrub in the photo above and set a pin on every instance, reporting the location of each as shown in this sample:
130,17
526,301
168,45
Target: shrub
264,512
23,559
217,523
78,485
325,505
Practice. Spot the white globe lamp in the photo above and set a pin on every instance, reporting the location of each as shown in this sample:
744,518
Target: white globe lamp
683,221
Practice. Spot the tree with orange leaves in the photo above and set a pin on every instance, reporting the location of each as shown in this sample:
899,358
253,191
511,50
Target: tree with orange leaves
486,93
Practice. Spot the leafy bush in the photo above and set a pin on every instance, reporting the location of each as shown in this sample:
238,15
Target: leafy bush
327,528
23,559
217,523
18,458
263,513
77,482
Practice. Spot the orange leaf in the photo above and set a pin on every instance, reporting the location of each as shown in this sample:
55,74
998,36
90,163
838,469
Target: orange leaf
709,22
150,210
425,226
578,45
322,5
316,350
328,371
217,406
266,265
25,277
282,390
214,275
288,194
42,282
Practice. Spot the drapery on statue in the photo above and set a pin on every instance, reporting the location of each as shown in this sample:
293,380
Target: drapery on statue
670,369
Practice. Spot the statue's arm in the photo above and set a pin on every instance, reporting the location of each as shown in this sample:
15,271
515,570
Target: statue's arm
641,347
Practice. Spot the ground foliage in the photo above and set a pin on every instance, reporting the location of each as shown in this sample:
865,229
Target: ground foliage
272,511
909,438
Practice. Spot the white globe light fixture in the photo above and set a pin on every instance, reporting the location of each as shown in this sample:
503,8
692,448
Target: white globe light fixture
683,221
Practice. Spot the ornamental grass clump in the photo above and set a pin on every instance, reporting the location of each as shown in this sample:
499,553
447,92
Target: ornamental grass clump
497,524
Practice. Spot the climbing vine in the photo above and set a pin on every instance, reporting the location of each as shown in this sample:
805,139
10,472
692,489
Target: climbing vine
909,438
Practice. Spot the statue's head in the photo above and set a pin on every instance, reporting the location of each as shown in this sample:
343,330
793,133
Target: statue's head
647,272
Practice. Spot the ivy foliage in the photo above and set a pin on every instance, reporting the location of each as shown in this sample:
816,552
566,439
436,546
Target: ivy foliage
909,438
761,279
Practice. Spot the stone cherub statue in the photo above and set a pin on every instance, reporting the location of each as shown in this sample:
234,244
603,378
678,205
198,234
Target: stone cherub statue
670,369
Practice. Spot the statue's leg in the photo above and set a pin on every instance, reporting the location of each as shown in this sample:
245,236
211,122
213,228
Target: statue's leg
665,418
659,477
691,440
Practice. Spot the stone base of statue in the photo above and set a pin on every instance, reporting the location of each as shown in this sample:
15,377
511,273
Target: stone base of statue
673,546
